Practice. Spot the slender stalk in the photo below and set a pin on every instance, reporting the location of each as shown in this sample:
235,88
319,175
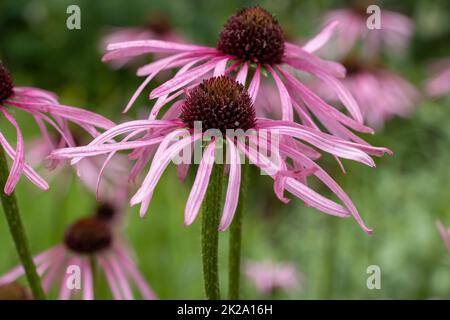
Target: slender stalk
18,232
93,263
210,235
234,254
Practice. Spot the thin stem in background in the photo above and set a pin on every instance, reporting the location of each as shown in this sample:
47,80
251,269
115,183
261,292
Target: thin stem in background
234,258
212,206
18,232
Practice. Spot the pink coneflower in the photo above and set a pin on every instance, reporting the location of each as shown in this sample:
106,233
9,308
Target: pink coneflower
88,239
395,32
269,277
439,83
45,109
157,27
381,93
223,106
251,41
445,234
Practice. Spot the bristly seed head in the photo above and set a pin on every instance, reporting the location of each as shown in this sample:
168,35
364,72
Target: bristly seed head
88,236
6,84
219,103
253,34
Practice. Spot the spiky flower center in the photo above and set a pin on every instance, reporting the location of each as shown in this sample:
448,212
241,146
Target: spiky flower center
88,236
253,34
219,103
6,84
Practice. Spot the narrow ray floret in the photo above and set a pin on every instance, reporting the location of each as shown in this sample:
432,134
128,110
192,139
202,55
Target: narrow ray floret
44,107
222,107
89,239
251,44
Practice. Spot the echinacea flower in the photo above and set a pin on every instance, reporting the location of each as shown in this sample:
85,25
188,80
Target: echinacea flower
157,27
394,33
381,93
269,277
223,106
251,41
445,234
439,83
91,238
44,107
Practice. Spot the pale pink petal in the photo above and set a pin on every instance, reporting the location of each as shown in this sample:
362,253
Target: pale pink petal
19,161
321,38
185,78
254,84
234,183
121,278
200,185
110,278
28,171
160,162
134,273
88,284
242,74
219,70
286,103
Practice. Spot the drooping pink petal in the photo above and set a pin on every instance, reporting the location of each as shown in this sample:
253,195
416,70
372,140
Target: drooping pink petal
19,161
295,54
318,139
254,84
88,285
286,103
121,278
134,273
316,104
185,78
161,160
295,187
134,48
27,170
110,278
234,183
200,185
321,38
220,68
242,74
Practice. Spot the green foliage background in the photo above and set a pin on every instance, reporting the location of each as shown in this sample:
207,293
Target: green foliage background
401,199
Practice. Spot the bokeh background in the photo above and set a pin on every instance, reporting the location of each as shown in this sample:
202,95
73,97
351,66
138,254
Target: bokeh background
401,199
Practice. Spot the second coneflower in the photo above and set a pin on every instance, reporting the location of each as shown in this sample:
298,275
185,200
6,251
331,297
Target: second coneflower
224,105
219,113
251,43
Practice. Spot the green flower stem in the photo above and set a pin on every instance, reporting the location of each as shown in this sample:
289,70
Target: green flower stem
18,232
94,270
234,254
212,206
